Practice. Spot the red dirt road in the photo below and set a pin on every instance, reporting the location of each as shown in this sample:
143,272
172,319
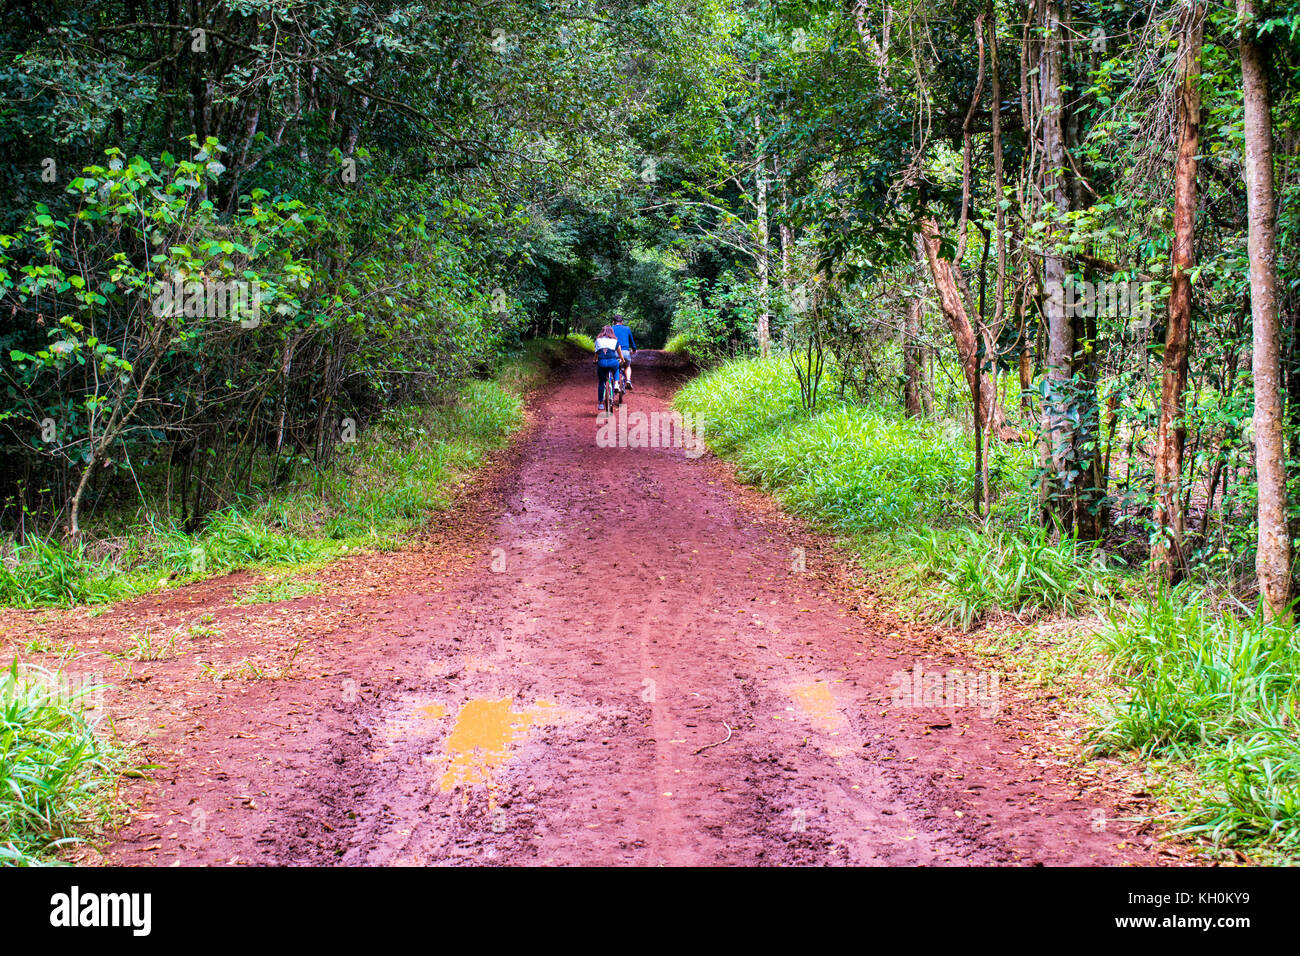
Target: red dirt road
605,656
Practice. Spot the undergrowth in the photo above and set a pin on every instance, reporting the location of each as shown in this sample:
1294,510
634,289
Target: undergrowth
1217,689
405,466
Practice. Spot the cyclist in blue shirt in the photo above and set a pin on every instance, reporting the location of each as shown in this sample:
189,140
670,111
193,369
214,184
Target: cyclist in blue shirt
627,346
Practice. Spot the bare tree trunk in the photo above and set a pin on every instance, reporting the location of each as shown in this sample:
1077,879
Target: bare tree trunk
999,175
1025,360
1167,553
994,332
988,409
786,241
74,513
1273,557
286,364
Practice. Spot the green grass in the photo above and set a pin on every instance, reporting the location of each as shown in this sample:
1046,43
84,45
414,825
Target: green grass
859,469
1216,690
57,777
967,573
852,468
274,590
683,343
43,572
402,468
742,399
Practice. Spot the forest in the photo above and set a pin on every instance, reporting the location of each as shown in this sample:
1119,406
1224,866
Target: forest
1005,295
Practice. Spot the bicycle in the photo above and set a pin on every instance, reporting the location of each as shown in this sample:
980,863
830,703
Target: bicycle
611,398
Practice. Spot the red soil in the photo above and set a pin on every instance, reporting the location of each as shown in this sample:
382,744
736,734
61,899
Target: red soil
601,656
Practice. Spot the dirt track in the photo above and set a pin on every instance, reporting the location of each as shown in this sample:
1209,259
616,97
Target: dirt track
606,655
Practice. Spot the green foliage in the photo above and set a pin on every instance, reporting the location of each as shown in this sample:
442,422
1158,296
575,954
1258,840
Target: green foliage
46,572
681,342
854,468
742,399
56,775
861,469
1220,691
717,319
380,487
968,573
403,192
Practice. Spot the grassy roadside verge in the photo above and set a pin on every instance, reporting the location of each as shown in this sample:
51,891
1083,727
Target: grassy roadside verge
378,489
1194,694
60,763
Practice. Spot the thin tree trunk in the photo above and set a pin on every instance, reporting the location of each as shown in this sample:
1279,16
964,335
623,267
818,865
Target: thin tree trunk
912,340
1273,555
1057,430
1167,552
760,180
1060,359
1025,358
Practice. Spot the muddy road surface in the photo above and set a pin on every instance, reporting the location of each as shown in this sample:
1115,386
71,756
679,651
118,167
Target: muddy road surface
604,654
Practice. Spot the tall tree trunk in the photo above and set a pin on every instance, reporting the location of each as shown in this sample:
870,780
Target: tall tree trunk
1060,451
993,332
1273,557
1167,553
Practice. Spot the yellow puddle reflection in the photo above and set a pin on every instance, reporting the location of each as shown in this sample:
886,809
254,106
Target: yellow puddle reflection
818,705
484,732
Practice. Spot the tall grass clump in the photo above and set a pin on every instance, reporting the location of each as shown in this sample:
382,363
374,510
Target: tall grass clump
56,776
1218,690
239,537
692,347
44,572
681,342
966,572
